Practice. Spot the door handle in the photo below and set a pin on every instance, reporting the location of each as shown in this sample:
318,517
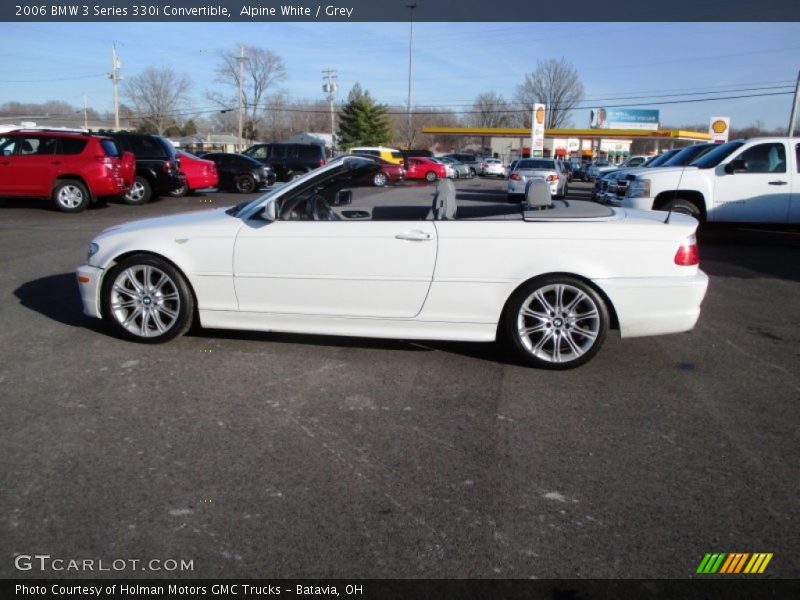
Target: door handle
415,236
778,182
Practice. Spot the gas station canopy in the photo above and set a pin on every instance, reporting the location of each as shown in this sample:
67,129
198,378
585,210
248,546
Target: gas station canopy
586,134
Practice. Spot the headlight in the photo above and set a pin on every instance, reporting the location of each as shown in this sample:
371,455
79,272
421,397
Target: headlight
93,248
639,188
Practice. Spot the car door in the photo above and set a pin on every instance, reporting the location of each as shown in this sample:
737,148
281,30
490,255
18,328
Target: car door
36,164
760,192
9,184
794,209
374,269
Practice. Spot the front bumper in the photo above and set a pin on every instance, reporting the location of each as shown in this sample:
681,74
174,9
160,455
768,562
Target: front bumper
89,279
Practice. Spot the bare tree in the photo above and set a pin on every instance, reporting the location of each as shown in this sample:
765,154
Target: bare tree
554,83
490,109
263,70
157,96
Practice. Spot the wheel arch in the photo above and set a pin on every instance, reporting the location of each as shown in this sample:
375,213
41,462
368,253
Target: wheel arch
77,177
612,311
119,258
693,196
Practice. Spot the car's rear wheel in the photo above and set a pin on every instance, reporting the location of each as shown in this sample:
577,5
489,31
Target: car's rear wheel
244,184
181,191
380,179
556,322
70,195
140,192
147,300
430,176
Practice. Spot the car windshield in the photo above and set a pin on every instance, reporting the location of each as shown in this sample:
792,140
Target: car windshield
686,155
711,159
659,160
535,164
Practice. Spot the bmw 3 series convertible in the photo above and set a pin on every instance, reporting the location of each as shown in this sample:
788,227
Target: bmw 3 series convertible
331,254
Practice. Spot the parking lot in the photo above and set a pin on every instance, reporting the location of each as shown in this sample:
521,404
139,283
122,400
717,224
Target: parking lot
272,455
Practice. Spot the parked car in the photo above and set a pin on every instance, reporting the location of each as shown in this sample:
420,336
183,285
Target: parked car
579,170
745,181
390,154
200,173
418,152
548,279
566,166
389,172
636,160
494,167
599,168
240,173
425,168
157,166
474,163
527,169
288,160
450,171
460,170
72,169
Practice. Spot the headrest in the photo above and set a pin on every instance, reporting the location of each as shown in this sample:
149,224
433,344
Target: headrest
537,194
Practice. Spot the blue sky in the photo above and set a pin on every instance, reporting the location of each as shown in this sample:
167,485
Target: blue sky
453,62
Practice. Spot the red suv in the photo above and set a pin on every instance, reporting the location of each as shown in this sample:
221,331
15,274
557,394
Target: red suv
71,168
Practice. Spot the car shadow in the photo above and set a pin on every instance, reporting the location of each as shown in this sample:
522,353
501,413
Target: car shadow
750,252
57,298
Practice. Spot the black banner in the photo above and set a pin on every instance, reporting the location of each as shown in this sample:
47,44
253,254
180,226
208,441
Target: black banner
396,10
732,588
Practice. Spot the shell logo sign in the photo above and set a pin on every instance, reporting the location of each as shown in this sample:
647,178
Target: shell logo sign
537,130
540,115
718,129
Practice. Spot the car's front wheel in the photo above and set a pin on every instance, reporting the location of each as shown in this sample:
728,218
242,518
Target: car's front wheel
685,207
556,322
181,191
147,300
380,179
245,184
430,176
70,195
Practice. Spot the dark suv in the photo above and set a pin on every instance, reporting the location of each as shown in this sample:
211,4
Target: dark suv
288,160
157,166
72,168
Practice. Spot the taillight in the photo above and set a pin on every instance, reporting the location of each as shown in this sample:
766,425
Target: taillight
687,255
552,178
169,166
106,161
321,162
514,176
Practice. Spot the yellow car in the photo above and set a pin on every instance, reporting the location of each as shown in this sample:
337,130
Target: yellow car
390,154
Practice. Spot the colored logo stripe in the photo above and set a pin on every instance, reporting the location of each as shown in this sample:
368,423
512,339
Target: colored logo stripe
724,563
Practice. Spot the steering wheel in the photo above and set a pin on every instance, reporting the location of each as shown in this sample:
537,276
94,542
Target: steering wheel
320,210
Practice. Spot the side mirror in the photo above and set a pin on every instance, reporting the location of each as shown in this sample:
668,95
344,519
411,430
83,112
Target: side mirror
343,198
735,165
271,211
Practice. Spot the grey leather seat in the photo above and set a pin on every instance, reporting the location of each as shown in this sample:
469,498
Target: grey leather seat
537,195
444,202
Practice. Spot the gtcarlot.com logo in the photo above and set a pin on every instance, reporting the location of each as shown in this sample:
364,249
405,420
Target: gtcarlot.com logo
731,563
45,562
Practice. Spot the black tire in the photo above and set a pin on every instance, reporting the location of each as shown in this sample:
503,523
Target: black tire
555,335
244,184
430,176
685,207
70,196
146,308
380,179
472,173
181,191
140,193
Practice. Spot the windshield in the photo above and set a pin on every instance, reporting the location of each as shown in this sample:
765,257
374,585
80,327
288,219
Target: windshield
686,155
659,160
717,155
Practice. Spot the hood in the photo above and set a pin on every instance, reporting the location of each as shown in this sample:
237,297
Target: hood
176,223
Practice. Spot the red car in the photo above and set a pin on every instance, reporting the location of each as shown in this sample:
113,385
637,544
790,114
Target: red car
424,168
73,169
390,172
200,173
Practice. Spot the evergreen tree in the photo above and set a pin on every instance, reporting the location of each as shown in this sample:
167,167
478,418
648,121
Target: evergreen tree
362,122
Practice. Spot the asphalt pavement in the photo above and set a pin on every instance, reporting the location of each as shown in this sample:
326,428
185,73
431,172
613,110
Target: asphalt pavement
272,455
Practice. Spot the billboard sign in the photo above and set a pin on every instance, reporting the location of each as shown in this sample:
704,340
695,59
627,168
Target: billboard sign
537,130
719,128
627,118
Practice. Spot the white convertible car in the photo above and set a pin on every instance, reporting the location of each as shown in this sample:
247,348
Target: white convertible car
330,253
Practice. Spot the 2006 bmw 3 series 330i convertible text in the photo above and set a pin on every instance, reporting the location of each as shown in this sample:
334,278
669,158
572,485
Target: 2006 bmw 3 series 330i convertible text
330,253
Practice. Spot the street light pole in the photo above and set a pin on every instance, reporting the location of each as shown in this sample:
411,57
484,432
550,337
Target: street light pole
411,4
793,117
114,76
241,60
330,88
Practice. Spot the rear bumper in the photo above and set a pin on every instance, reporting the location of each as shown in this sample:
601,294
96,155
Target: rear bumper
89,279
655,306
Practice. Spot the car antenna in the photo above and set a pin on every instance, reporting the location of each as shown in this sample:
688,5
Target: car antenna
677,187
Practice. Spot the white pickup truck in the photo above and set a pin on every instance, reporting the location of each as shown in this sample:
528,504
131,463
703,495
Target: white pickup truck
751,181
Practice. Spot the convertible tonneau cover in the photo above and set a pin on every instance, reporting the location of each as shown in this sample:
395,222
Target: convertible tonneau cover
568,209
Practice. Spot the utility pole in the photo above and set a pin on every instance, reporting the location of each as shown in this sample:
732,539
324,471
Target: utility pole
115,77
85,113
241,83
330,87
411,4
793,117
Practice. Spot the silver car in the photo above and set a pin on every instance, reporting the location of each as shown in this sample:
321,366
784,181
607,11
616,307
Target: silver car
545,169
461,170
